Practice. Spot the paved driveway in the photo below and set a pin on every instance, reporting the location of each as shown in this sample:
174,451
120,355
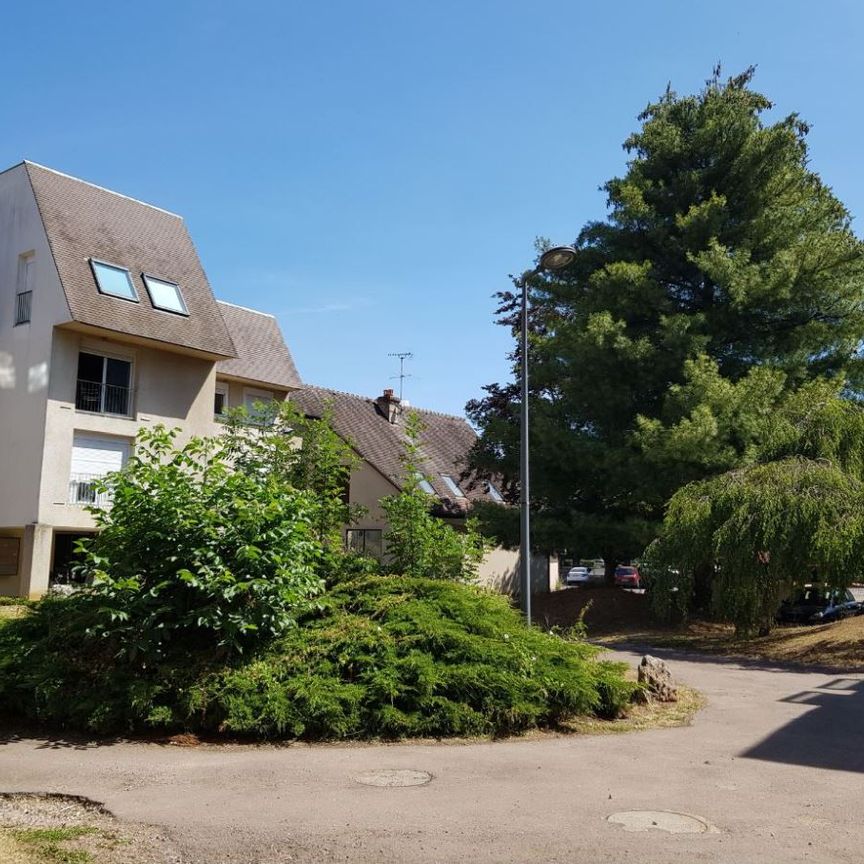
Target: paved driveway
775,762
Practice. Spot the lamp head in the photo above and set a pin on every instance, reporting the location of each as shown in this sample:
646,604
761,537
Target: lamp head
557,258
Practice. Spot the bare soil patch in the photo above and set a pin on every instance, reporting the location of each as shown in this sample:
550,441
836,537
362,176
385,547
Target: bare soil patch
64,829
604,611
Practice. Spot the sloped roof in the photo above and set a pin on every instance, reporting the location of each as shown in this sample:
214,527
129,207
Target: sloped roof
445,440
83,221
262,354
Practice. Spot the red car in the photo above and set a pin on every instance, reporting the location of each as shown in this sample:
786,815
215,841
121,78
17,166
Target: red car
626,576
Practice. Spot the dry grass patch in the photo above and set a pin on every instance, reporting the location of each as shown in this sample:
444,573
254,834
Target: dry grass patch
837,646
656,715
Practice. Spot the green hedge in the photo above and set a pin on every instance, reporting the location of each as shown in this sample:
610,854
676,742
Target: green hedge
386,657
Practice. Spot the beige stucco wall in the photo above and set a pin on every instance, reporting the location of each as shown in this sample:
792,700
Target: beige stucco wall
168,388
25,350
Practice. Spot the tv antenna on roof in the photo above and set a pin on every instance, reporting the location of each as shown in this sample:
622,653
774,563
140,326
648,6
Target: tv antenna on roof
403,356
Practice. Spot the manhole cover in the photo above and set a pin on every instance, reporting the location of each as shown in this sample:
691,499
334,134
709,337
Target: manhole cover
391,777
662,820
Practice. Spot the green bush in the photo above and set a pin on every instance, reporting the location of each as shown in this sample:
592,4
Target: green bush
196,552
386,657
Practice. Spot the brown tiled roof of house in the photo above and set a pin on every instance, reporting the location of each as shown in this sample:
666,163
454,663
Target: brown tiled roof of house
83,221
445,440
262,354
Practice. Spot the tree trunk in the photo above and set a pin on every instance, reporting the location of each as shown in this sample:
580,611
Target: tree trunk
703,578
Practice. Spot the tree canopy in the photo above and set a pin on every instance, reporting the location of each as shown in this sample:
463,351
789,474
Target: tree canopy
725,278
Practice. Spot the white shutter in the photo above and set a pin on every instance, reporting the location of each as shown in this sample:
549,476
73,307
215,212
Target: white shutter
97,456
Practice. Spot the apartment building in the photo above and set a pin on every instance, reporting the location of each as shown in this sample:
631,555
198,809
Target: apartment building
107,324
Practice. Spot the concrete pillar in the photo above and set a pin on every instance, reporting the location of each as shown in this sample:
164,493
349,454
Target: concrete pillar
36,551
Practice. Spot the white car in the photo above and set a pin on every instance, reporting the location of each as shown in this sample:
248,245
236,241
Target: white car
578,576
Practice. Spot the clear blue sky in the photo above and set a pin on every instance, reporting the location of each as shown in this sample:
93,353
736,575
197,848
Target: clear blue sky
371,171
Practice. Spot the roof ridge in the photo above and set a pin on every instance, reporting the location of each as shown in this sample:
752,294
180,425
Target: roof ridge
28,162
245,308
411,407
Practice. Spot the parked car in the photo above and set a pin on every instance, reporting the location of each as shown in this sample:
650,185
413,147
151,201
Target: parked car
577,576
818,604
627,576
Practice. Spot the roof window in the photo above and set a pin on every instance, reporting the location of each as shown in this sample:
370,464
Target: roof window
494,494
424,484
165,295
113,280
452,485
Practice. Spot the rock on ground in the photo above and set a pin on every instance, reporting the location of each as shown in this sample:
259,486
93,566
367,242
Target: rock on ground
656,676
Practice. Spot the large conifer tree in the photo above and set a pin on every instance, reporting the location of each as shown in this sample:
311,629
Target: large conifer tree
722,255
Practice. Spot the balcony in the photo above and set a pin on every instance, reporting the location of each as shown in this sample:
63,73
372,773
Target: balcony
23,304
82,490
102,398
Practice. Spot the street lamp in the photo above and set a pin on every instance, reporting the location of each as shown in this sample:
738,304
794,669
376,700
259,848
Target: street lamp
555,258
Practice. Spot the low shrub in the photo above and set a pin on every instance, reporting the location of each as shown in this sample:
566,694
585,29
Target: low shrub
387,657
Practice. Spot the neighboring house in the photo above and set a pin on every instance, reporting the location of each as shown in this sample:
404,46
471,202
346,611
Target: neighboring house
375,428
107,325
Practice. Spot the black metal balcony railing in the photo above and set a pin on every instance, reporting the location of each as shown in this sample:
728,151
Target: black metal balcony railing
82,490
23,303
101,398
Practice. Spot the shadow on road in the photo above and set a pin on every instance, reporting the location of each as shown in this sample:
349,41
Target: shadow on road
829,736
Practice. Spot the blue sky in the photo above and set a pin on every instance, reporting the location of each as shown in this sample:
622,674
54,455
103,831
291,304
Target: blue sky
371,171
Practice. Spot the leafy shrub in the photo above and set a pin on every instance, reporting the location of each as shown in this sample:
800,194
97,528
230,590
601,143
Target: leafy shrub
418,543
382,657
196,553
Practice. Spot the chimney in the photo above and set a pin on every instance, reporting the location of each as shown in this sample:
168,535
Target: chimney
389,405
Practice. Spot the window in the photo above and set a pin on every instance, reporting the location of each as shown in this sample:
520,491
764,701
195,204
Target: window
452,485
365,541
494,494
220,400
103,384
252,398
92,458
24,293
424,484
113,280
165,295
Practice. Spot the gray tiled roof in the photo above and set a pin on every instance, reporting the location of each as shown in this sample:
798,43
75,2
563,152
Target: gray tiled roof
445,440
262,354
84,221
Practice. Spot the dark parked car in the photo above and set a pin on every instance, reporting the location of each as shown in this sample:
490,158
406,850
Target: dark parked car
817,604
627,576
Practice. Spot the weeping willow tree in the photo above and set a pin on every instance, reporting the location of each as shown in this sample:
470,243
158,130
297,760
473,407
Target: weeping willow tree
762,528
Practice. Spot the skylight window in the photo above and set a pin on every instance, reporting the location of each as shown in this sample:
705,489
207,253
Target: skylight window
494,494
165,295
452,485
114,281
424,484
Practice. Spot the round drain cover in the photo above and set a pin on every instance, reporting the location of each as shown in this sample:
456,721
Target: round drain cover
391,777
662,820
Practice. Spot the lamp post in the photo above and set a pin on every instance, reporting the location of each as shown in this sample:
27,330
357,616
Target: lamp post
555,258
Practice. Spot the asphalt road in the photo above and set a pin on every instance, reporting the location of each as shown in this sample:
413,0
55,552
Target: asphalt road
775,762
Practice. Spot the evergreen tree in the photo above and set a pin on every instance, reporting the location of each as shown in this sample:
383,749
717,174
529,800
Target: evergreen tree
726,274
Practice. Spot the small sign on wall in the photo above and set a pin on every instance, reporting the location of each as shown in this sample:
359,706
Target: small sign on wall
9,550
